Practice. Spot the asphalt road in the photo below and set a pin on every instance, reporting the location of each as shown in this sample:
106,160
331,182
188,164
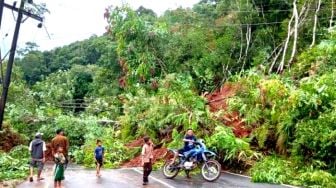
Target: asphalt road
77,177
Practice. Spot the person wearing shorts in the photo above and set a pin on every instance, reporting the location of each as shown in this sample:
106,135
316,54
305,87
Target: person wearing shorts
99,157
37,148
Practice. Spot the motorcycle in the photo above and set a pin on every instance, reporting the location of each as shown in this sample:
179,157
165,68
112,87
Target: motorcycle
200,155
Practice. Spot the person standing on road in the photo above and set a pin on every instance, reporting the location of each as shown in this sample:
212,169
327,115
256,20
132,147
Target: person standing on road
60,141
37,148
99,157
59,167
147,159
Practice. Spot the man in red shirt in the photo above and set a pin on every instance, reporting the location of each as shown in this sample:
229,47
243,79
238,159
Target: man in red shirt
60,141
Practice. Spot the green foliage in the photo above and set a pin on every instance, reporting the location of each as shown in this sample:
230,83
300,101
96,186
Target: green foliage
20,151
175,104
56,88
268,104
316,139
76,128
38,65
229,147
137,49
261,134
272,169
317,179
115,151
14,165
148,75
176,137
317,60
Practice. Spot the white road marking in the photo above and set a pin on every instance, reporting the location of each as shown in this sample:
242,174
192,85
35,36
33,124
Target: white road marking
157,180
237,174
291,186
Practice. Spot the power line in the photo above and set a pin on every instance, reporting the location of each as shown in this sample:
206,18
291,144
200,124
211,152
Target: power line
261,23
7,79
272,11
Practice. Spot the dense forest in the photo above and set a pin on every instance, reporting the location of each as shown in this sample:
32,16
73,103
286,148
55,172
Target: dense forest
255,79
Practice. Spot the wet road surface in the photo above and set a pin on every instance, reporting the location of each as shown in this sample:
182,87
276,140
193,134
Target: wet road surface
77,177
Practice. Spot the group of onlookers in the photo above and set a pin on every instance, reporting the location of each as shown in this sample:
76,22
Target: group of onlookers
59,148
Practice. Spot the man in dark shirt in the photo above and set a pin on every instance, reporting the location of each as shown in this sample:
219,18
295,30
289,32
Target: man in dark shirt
37,148
189,140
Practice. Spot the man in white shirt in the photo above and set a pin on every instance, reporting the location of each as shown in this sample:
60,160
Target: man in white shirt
37,148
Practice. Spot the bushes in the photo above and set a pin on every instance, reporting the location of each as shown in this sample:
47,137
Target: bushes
317,179
75,128
274,169
14,165
229,147
317,60
175,105
316,139
115,151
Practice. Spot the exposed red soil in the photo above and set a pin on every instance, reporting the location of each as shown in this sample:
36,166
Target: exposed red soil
218,101
136,162
135,143
49,156
9,138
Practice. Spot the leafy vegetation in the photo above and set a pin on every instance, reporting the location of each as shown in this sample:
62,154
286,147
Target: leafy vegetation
15,163
153,75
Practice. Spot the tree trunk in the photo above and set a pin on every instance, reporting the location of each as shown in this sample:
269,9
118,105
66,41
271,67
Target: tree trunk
282,62
332,14
296,28
315,23
241,45
248,41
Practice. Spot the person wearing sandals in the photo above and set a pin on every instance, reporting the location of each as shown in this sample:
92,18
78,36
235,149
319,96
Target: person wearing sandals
59,167
37,148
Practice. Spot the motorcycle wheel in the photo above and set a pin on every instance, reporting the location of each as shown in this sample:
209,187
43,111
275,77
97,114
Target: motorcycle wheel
211,170
170,171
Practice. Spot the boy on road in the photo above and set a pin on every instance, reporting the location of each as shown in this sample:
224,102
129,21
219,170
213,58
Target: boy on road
99,157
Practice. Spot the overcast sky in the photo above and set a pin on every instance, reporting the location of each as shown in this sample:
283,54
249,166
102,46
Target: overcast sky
73,20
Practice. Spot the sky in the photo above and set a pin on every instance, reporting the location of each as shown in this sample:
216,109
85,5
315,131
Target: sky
72,20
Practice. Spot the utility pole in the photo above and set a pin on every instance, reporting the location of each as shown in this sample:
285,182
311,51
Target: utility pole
7,78
2,2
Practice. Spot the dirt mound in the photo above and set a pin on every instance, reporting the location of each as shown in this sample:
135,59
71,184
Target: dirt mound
136,162
9,138
135,143
49,156
218,101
